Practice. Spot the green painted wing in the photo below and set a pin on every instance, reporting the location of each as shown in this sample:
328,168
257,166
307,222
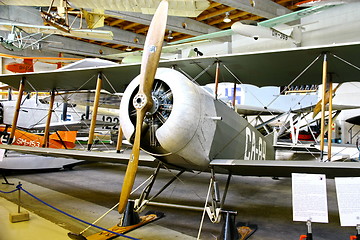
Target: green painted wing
205,36
293,16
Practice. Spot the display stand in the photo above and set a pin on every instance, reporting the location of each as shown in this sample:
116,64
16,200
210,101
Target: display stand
357,236
309,200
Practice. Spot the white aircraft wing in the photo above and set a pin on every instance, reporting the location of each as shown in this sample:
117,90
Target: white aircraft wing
186,8
82,33
86,98
71,125
334,107
268,168
256,110
122,158
285,168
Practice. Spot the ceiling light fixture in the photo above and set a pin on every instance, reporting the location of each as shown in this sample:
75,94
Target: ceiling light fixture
128,49
170,36
226,18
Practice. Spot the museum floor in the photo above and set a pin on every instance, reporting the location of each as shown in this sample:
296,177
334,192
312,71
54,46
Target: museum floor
89,190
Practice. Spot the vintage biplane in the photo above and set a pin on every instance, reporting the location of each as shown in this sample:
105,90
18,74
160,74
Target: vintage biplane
167,113
59,22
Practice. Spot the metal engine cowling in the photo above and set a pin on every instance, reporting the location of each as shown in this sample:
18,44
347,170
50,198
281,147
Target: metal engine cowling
181,119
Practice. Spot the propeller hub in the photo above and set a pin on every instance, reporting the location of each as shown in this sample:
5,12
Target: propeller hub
139,101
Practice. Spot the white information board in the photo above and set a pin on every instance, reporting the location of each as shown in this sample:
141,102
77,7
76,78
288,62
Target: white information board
309,198
348,197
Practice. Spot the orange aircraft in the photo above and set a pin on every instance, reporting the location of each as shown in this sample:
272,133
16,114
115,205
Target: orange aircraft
26,66
28,62
59,139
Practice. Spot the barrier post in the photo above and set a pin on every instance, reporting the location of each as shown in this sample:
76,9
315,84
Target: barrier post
19,216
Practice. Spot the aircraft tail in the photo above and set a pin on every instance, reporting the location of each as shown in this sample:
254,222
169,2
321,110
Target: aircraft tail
66,138
23,138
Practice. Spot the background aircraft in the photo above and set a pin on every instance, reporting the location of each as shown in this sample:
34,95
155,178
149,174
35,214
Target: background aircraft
264,29
27,64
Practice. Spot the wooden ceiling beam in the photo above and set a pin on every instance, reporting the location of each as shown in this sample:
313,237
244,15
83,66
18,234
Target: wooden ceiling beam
131,25
116,22
214,14
142,30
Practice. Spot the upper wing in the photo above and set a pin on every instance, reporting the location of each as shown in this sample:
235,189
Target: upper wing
166,49
266,68
188,8
86,98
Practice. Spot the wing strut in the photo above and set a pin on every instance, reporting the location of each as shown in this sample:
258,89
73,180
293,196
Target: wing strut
47,126
322,127
119,140
17,109
330,118
95,110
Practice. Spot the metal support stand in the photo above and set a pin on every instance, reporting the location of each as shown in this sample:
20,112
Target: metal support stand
309,235
229,230
5,179
358,231
130,217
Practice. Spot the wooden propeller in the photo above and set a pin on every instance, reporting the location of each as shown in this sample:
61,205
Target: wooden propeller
143,99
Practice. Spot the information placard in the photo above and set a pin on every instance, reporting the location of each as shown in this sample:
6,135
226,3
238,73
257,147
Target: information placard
348,197
309,197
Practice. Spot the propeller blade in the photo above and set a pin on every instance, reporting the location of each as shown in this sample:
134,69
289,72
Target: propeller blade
143,100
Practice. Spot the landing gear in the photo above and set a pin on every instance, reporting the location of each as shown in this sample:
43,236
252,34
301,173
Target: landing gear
215,209
230,230
141,202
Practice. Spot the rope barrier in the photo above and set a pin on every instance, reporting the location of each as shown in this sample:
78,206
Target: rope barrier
9,191
19,187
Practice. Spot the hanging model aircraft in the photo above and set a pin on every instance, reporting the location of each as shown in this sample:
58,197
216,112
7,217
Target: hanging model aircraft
310,3
264,29
48,30
189,8
58,21
166,112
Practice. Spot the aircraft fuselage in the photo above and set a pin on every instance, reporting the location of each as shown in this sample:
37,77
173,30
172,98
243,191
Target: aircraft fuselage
191,127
